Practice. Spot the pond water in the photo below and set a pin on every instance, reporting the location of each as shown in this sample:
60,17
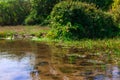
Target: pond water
25,60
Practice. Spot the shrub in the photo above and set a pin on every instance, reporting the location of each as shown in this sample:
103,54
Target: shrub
40,11
103,4
75,20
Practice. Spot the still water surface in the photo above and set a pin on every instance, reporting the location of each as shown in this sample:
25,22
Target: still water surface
25,60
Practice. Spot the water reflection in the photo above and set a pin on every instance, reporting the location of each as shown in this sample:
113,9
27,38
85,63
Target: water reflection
114,73
13,68
24,60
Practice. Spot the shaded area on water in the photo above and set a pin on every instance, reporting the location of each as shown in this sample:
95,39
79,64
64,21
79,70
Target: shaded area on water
25,60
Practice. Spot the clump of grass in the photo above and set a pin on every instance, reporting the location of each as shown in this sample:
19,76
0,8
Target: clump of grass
3,34
94,44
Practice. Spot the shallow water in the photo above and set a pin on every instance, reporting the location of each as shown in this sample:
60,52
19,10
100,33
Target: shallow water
25,60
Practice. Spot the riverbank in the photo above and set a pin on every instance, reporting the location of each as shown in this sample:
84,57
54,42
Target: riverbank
22,32
38,34
84,46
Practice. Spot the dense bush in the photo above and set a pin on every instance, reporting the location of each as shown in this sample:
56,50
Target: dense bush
116,11
103,4
116,14
13,12
75,20
40,11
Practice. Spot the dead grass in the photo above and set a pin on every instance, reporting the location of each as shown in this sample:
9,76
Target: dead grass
24,29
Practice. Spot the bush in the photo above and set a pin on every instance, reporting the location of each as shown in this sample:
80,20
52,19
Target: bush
76,20
40,11
103,4
115,4
116,14
13,12
116,11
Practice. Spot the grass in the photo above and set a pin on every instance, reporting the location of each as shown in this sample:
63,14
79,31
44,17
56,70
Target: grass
87,43
23,29
35,30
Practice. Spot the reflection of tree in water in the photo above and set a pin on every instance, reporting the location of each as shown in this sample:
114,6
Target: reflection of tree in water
42,61
47,63
16,47
50,62
110,73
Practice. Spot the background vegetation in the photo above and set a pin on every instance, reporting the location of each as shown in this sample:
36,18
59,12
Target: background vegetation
69,19
39,11
13,12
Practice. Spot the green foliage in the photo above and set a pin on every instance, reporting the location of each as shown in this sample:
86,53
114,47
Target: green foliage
13,12
116,14
103,4
116,4
76,20
40,11
116,11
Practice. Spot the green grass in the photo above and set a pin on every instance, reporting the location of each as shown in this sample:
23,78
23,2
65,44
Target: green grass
87,43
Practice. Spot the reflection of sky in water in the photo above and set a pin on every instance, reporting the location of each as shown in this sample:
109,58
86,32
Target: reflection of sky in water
112,71
19,67
12,69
